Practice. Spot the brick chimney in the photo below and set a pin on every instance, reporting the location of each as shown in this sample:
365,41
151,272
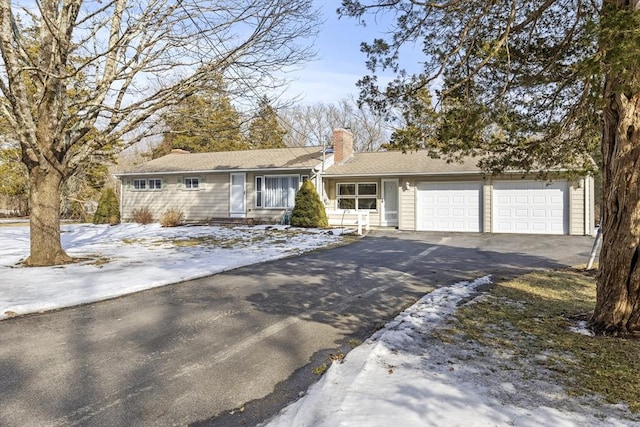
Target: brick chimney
342,144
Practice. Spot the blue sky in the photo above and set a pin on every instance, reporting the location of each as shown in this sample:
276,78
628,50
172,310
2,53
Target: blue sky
340,63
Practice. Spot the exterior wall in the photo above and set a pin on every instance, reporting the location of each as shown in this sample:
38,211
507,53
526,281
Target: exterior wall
576,209
580,203
210,200
407,205
487,206
590,206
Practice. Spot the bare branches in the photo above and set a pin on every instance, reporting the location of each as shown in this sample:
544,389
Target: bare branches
528,68
114,66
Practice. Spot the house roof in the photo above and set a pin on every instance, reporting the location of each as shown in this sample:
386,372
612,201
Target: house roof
398,163
269,159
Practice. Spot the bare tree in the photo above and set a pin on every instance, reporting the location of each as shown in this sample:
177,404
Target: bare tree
113,66
313,124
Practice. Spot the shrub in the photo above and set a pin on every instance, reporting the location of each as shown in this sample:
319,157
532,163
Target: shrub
309,209
108,210
171,218
142,216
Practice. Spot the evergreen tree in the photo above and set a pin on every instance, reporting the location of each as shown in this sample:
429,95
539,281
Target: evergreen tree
204,122
309,210
549,80
419,119
14,179
265,130
108,211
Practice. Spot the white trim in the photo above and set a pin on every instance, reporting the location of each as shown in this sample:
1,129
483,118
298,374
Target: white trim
192,178
234,170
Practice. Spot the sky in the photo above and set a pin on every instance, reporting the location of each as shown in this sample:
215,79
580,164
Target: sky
401,375
340,64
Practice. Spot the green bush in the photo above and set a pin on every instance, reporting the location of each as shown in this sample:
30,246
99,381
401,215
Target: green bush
171,218
142,216
108,211
309,209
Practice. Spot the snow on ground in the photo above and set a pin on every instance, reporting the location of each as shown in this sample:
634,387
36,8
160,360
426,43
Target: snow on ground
131,257
401,376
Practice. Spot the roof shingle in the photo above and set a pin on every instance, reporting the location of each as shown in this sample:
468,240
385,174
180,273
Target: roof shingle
276,158
398,163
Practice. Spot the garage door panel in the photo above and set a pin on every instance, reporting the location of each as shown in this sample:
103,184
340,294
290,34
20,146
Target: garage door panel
530,207
448,206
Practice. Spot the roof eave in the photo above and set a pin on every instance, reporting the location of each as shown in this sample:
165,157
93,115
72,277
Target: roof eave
339,175
452,173
234,170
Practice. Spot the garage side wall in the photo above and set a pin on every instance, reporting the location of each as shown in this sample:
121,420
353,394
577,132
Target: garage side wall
407,214
576,209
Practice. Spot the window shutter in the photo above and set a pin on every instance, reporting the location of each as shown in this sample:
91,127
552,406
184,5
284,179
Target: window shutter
179,182
128,184
201,179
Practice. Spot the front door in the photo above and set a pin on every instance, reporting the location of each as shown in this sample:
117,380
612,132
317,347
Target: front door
389,203
237,196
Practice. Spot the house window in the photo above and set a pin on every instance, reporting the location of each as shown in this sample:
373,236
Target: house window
192,183
360,196
155,184
277,191
140,184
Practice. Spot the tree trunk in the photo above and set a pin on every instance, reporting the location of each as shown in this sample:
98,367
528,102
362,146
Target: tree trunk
617,309
46,248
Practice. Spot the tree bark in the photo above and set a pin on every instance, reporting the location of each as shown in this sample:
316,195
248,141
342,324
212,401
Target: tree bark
617,310
46,248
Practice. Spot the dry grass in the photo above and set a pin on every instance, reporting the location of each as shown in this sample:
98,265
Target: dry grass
530,318
142,216
172,218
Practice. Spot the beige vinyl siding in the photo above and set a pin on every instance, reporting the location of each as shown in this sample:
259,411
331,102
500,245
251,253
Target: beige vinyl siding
487,203
330,191
210,200
576,209
407,214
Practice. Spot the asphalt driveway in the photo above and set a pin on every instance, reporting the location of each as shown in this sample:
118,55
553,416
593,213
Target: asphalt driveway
234,348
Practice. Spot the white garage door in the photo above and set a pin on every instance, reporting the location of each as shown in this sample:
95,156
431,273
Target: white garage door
530,207
448,206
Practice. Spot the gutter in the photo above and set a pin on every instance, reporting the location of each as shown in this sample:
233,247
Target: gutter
448,173
186,172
